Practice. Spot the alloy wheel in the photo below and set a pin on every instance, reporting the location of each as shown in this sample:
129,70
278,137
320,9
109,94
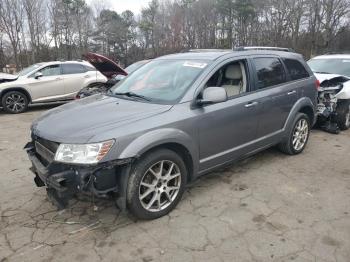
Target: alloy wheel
15,102
160,186
300,134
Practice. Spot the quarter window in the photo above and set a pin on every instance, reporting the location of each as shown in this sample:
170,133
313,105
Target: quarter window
270,72
295,69
52,70
69,69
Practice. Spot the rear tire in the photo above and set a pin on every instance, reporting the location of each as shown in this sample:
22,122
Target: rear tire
298,136
156,184
343,114
14,102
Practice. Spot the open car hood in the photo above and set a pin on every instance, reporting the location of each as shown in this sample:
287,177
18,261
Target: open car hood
105,65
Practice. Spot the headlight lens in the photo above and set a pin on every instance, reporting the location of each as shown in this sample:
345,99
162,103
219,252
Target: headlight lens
83,153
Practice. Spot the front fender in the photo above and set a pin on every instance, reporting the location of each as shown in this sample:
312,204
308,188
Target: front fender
160,137
302,103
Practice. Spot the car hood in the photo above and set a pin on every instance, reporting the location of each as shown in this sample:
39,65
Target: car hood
105,65
323,77
7,77
81,120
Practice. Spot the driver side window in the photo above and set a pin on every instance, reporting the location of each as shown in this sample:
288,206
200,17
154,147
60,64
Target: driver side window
51,70
232,77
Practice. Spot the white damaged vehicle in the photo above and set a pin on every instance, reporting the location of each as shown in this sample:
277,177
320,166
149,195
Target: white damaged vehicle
333,73
46,82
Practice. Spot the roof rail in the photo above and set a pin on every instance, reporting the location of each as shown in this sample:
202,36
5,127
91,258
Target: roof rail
208,50
345,52
271,48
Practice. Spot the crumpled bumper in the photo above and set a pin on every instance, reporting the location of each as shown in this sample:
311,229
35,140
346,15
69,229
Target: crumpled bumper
64,181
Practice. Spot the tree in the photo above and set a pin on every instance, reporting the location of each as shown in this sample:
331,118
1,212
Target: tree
11,22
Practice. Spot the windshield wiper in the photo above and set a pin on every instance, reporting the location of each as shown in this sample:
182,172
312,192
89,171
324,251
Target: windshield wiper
322,73
132,94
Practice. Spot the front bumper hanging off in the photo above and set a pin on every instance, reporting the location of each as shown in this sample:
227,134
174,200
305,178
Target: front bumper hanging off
63,181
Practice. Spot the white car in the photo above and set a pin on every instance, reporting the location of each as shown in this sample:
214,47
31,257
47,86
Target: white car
46,82
333,73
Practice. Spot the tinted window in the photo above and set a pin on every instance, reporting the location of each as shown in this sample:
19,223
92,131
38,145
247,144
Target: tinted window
73,69
270,72
52,70
295,69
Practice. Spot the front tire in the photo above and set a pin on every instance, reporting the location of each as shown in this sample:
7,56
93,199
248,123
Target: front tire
298,136
156,184
343,114
14,102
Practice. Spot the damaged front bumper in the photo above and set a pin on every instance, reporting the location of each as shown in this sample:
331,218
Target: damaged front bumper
63,181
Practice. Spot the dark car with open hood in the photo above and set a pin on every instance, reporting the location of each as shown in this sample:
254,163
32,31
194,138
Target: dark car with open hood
174,119
112,80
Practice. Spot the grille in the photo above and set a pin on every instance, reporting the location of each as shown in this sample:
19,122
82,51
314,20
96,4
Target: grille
52,146
45,149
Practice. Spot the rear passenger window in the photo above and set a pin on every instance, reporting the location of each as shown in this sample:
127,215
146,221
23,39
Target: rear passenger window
295,69
68,69
270,72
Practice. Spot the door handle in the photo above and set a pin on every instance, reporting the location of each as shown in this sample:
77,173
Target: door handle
58,78
251,104
291,92
86,76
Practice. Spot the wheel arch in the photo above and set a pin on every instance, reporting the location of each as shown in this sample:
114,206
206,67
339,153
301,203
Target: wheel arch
172,139
18,89
303,105
309,112
179,149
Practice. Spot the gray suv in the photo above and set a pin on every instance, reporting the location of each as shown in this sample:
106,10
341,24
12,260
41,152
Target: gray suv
178,117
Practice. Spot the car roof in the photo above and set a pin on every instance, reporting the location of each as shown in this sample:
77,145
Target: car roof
333,56
64,62
213,54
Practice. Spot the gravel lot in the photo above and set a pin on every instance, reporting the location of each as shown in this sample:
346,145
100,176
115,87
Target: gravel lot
270,207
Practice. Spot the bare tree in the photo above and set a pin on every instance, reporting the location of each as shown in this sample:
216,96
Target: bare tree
11,22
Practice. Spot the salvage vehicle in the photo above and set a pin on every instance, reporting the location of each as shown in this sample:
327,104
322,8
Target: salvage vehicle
46,82
176,118
104,87
333,72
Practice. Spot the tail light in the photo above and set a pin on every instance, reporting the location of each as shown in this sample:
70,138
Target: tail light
317,84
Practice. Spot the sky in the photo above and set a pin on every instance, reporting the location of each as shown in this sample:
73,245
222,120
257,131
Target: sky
122,5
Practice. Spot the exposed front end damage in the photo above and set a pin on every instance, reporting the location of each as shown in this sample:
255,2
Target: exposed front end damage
7,78
333,102
64,181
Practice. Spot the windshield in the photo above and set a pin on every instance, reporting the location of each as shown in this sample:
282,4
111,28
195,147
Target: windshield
163,81
331,66
133,67
28,69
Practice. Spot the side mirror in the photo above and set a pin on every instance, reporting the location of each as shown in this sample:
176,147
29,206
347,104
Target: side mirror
37,75
212,95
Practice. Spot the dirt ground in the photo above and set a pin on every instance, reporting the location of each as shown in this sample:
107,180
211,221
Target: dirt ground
270,207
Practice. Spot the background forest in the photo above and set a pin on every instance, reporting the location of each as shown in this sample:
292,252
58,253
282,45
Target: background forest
42,30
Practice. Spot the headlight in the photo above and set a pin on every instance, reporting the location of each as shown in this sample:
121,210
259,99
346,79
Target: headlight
83,153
